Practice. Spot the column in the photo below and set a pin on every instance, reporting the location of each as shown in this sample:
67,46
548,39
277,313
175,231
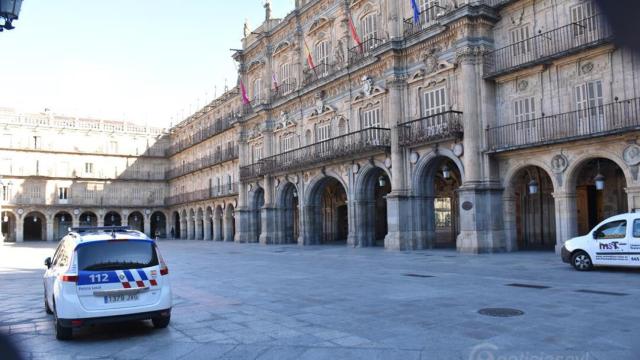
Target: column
566,217
207,227
75,220
147,226
168,224
49,228
184,231
268,214
509,211
190,228
243,216
19,228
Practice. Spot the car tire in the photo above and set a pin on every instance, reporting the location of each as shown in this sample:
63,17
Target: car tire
161,322
47,309
581,261
63,333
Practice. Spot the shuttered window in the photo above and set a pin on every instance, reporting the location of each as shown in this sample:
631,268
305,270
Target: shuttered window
520,41
524,109
434,102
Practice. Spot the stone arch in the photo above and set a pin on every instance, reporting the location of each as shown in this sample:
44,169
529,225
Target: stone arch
34,226
218,227
288,214
112,218
229,223
62,221
326,213
88,218
435,202
529,207
372,184
9,225
135,221
577,163
158,225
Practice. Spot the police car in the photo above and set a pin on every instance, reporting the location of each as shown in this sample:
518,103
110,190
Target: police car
614,242
108,274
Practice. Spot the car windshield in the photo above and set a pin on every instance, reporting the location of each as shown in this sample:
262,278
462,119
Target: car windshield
116,255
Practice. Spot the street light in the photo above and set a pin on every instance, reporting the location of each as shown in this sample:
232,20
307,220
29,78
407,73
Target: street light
533,187
9,11
446,172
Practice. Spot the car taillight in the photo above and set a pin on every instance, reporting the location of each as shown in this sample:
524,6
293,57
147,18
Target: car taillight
69,278
164,270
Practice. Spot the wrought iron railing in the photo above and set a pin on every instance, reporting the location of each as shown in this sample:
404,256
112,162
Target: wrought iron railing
202,195
318,72
286,88
496,3
201,135
427,18
595,121
205,162
364,50
549,45
355,143
429,129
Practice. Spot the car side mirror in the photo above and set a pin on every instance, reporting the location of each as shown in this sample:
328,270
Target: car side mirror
595,235
47,262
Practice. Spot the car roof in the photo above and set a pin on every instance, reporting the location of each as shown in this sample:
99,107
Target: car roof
625,216
92,234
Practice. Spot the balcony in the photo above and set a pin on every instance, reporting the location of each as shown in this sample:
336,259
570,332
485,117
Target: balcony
614,118
284,89
213,129
205,162
548,46
497,3
427,18
319,72
342,147
202,195
431,129
364,50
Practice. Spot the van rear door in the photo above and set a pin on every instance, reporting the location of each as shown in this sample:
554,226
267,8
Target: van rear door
116,274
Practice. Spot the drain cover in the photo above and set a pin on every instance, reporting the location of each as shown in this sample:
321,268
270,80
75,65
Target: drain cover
500,312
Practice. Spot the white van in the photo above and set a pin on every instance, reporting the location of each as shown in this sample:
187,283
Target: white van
614,242
110,274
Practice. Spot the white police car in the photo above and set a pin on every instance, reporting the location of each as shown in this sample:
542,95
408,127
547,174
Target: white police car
109,274
614,242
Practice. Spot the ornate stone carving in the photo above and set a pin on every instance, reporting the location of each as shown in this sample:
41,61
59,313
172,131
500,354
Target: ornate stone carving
471,54
414,157
430,60
587,67
339,54
631,155
367,85
559,164
523,85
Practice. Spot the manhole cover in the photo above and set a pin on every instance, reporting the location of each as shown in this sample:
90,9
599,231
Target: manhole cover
500,312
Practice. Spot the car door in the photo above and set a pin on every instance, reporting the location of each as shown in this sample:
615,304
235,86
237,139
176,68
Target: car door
634,244
51,273
610,243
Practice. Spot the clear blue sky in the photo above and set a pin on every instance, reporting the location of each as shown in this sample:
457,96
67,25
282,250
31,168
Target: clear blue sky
138,60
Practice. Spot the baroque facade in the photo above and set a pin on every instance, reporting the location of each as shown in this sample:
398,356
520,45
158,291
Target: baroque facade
481,125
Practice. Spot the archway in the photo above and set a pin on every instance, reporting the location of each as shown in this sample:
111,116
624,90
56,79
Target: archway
437,203
208,224
176,226
34,227
372,187
61,224
112,218
326,213
8,220
531,189
288,222
229,223
158,225
218,232
136,221
256,204
88,219
600,192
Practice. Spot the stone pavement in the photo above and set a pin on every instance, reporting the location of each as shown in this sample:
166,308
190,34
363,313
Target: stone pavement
240,301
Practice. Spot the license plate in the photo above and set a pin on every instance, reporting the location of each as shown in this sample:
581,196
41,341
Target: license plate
120,298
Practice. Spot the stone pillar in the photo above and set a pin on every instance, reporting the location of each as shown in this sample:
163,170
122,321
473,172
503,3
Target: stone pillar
49,228
395,20
19,228
147,226
217,230
509,220
168,225
566,217
190,228
268,213
243,216
198,230
207,227
100,220
633,197
75,220
184,231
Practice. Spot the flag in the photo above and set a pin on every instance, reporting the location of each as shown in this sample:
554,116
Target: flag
354,34
310,58
243,90
416,12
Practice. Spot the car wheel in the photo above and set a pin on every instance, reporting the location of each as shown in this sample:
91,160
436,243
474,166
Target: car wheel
581,261
46,306
161,322
62,332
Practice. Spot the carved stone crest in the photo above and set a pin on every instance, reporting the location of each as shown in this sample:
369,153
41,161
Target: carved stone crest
430,60
559,164
587,67
631,155
367,85
523,85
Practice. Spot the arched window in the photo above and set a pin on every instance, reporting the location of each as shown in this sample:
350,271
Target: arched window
257,90
369,28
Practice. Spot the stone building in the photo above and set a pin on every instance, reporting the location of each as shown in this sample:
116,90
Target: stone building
481,125
58,172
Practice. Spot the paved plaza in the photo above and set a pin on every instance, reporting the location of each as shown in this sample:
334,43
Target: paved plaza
239,301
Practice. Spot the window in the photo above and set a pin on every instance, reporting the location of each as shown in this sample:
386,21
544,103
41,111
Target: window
636,228
442,208
286,143
63,193
612,230
371,118
524,109
113,147
322,52
88,168
104,255
323,132
589,103
285,73
256,153
34,192
428,10
434,102
520,41
582,18
369,28
6,193
257,90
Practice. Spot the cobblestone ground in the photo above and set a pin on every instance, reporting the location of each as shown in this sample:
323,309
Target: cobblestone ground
239,301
